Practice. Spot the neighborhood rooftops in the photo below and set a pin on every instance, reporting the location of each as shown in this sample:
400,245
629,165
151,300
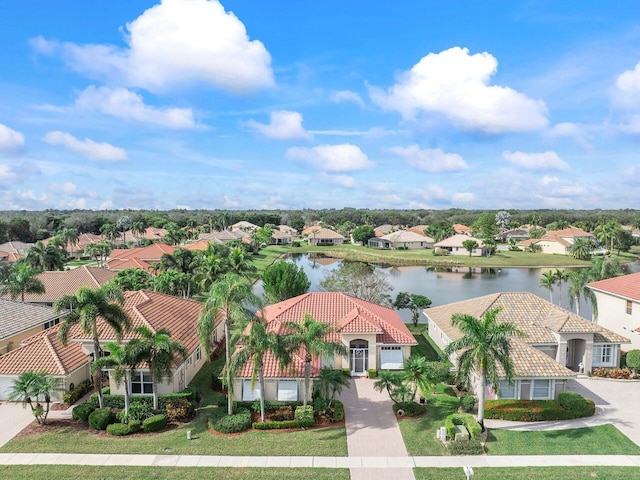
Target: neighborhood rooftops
58,284
19,317
627,286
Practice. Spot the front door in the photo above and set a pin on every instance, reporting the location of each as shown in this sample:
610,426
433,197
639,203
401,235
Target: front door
359,357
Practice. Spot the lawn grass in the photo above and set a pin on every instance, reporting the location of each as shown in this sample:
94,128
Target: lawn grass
599,440
320,442
29,472
424,349
531,473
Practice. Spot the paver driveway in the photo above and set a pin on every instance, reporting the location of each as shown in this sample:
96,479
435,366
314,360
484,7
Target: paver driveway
13,418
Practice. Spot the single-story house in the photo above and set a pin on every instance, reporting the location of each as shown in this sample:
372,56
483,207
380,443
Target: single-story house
419,229
71,362
287,229
150,233
559,241
22,320
385,229
225,236
310,229
517,234
281,238
325,236
401,239
454,245
244,226
619,306
374,335
123,258
461,229
557,343
76,249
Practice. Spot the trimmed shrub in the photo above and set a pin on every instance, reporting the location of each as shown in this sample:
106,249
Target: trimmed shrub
467,402
140,411
72,396
538,410
320,404
100,418
338,411
465,447
410,409
284,424
300,414
618,373
223,423
106,390
281,414
179,409
155,423
465,419
134,426
373,373
82,411
117,401
118,429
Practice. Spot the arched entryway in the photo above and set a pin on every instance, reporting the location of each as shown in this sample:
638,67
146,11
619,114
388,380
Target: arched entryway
359,356
576,349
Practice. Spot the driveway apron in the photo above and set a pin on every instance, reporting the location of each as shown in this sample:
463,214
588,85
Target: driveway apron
372,430
13,418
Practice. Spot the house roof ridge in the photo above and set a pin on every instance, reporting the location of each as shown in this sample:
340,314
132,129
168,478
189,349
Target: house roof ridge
54,353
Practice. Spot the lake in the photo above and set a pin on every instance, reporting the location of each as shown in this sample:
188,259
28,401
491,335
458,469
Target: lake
444,286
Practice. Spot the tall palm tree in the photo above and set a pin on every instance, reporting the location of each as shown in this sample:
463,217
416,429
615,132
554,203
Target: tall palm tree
123,224
110,231
578,289
85,307
606,232
253,347
159,350
49,257
21,279
240,264
70,237
138,230
547,281
312,337
484,346
122,360
211,264
30,386
560,277
226,302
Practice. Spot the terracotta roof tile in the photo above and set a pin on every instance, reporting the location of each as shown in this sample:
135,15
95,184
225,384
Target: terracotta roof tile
325,233
58,284
627,286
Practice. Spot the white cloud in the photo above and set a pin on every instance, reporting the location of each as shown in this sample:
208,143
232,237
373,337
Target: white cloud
342,96
548,180
340,180
463,197
536,161
86,148
10,140
626,92
66,188
128,105
174,43
430,159
229,202
284,125
332,158
570,130
12,173
455,84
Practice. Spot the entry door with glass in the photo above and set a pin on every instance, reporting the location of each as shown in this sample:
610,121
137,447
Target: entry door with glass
359,357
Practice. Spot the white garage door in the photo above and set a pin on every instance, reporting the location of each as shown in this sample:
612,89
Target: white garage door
391,358
287,390
249,395
5,384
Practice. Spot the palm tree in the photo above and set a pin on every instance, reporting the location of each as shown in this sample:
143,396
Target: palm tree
122,360
422,374
30,386
484,346
388,380
123,224
240,264
547,281
211,264
138,229
225,303
49,257
70,237
159,350
312,337
578,289
560,276
581,248
330,382
84,309
21,279
253,347
606,232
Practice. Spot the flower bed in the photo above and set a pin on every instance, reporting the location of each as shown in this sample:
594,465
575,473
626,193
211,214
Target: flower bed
569,405
618,373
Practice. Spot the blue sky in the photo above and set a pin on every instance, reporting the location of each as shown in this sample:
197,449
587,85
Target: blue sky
374,104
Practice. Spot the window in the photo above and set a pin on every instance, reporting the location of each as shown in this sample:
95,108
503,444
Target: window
287,390
198,354
603,354
51,323
141,384
506,390
541,389
629,307
249,394
189,361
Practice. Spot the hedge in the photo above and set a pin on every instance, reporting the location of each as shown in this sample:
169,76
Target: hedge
373,373
465,447
300,414
268,405
223,423
539,410
284,424
72,396
134,426
117,401
411,409
338,411
82,411
118,429
155,423
465,419
467,402
100,418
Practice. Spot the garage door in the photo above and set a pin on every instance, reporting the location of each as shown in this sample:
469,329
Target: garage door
391,358
5,384
248,394
287,390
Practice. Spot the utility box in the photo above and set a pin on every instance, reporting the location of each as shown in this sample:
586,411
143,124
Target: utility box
461,433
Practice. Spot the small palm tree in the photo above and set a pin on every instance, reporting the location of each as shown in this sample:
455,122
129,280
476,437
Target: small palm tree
390,381
33,386
85,307
159,350
122,361
547,281
581,249
21,280
312,337
484,345
331,382
422,374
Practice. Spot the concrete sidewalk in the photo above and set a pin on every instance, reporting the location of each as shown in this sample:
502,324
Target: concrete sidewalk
357,464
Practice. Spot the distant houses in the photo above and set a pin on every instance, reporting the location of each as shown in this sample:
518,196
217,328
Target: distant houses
325,237
559,241
454,245
402,239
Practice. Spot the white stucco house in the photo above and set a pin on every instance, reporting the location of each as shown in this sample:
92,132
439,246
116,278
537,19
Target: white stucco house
454,245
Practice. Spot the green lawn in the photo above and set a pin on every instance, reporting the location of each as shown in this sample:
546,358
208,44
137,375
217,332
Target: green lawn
425,348
321,442
29,472
531,473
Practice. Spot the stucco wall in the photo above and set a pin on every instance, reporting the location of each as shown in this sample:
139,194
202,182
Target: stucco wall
612,314
9,343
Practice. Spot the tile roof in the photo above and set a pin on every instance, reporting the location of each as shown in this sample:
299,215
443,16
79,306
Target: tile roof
16,247
10,256
224,236
287,229
384,229
627,286
456,241
58,284
325,233
280,234
531,362
311,229
241,225
419,229
117,265
151,233
18,317
271,367
200,246
461,229
407,236
150,253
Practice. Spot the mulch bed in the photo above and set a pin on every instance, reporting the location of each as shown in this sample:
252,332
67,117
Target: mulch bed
255,417
34,428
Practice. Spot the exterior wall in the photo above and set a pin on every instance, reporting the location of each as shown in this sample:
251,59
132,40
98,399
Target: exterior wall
570,359
549,246
270,388
438,335
9,343
476,252
373,348
410,245
612,314
524,389
325,241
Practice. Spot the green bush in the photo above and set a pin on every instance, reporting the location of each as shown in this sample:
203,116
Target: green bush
284,424
118,429
100,418
321,404
117,401
140,411
72,396
410,409
346,372
537,410
134,426
373,373
465,419
269,405
155,423
465,447
106,390
300,414
82,411
223,423
467,402
338,411
179,409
